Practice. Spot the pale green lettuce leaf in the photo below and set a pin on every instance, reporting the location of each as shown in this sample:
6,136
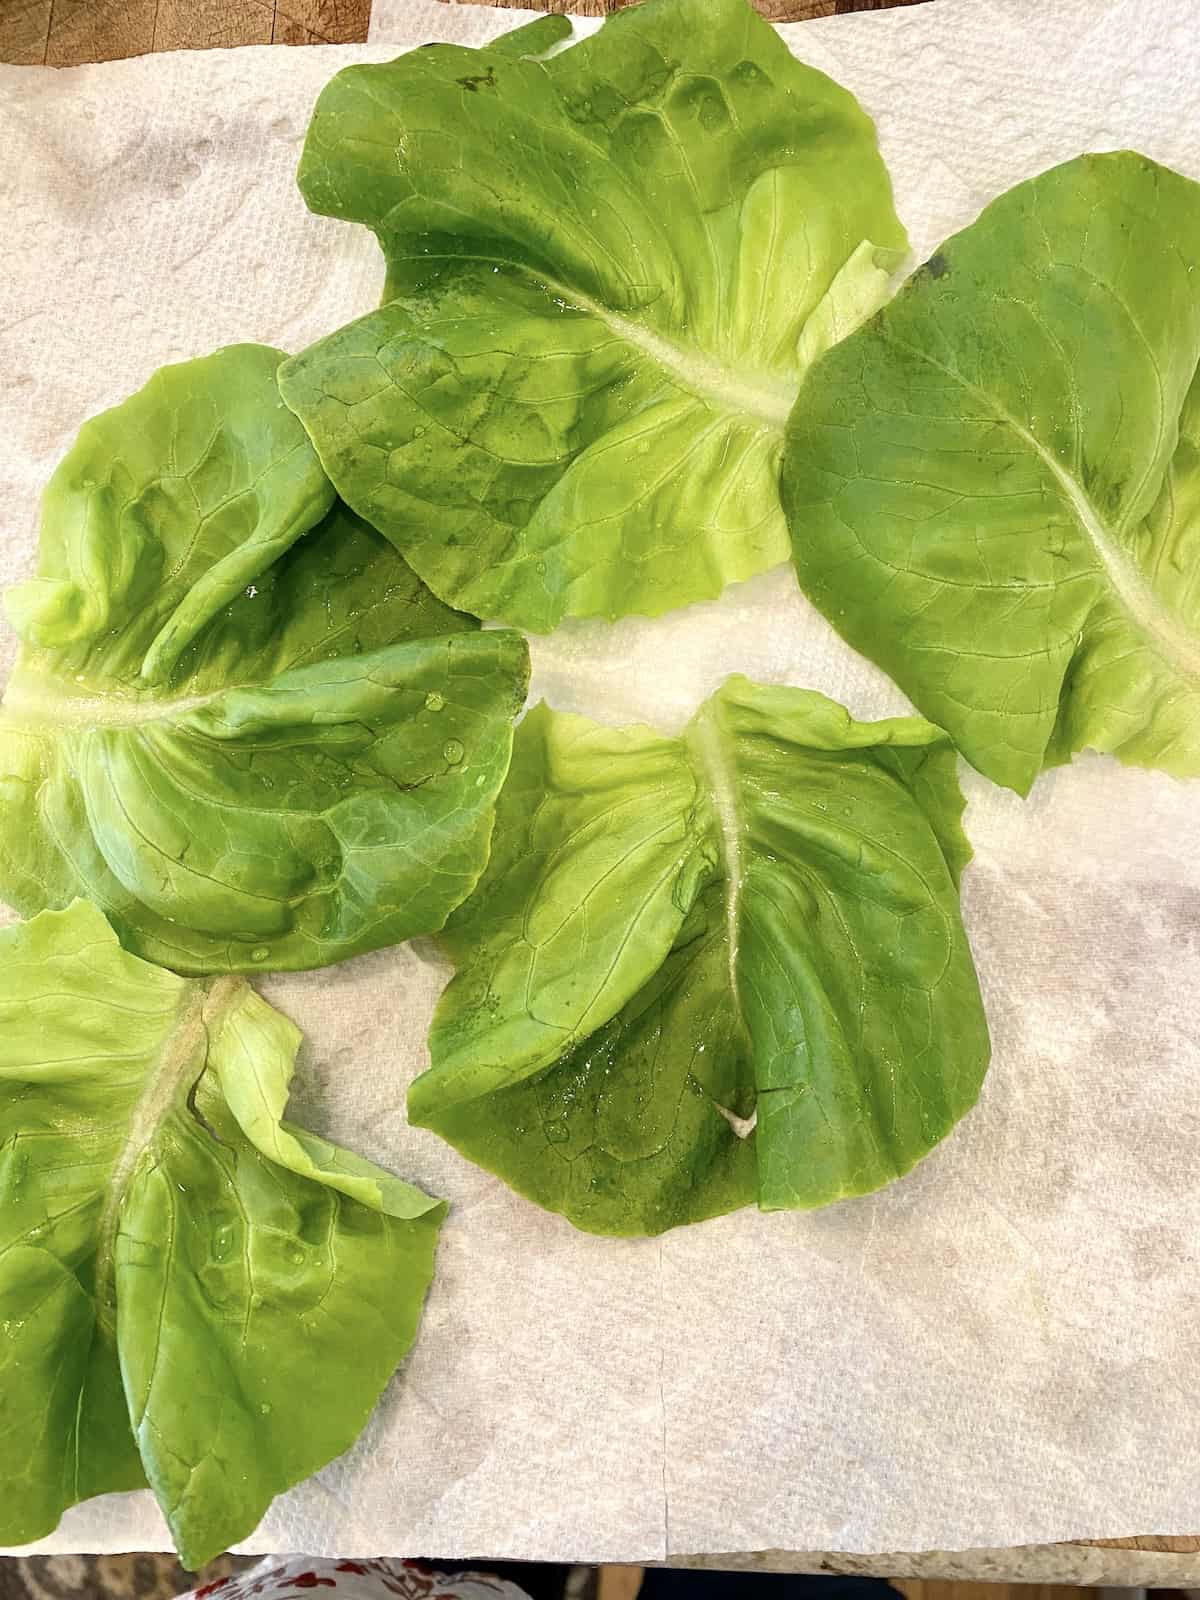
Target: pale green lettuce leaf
993,485
607,271
714,969
250,749
193,1294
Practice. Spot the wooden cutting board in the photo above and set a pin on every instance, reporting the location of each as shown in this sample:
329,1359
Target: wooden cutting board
70,32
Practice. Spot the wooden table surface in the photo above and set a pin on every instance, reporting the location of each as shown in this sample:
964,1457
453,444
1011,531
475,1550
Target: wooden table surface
64,33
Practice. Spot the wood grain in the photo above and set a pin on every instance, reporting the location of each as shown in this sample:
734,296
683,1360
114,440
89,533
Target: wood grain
67,33
325,21
212,24
773,10
24,29
98,30
953,1589
1181,1544
286,31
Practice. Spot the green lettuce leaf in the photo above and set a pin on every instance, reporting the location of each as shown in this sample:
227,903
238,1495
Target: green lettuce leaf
251,749
608,269
708,970
177,1263
993,485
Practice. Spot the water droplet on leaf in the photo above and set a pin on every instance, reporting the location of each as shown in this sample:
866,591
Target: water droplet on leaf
434,701
453,751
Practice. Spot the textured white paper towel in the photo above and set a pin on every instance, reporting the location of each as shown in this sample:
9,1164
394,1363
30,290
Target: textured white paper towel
1002,1348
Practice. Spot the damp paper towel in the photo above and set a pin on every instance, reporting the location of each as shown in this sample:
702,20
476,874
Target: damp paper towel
1000,1349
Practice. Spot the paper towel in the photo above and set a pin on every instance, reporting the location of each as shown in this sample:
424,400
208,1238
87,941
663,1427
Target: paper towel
1003,1347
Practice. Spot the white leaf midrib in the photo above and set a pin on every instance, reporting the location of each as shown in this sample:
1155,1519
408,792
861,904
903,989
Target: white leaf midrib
756,396
709,748
180,1057
753,396
45,700
1136,594
1175,643
33,698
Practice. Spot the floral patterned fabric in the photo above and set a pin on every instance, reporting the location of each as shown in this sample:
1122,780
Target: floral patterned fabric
375,1579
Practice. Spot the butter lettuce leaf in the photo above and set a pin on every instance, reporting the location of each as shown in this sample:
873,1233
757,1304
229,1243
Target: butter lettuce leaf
178,1264
238,722
710,970
993,486
608,269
